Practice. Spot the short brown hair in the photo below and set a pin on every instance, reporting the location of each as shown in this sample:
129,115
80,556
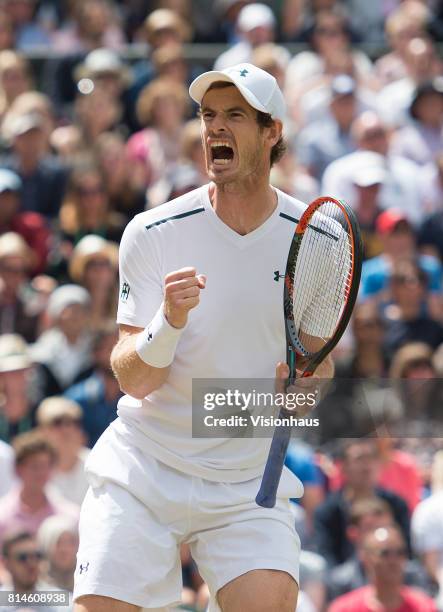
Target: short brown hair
370,505
32,443
14,537
161,87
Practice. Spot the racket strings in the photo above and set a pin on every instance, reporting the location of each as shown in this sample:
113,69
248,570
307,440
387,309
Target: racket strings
322,275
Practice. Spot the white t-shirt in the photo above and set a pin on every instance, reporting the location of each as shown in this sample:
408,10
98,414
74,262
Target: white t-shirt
236,331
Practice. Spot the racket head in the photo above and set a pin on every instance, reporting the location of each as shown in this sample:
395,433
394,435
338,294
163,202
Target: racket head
322,278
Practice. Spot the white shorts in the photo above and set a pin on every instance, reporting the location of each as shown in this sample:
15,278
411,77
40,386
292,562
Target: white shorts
130,535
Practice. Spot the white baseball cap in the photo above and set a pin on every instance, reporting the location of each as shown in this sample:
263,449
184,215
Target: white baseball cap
258,87
255,15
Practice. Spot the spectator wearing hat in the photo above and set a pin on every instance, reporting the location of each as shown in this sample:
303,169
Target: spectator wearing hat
60,421
15,78
29,503
256,25
31,226
94,265
406,313
321,142
372,137
58,541
29,32
384,555
16,408
19,313
63,352
398,242
43,177
163,28
98,394
422,141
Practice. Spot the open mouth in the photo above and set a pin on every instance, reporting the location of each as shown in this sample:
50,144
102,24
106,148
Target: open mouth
221,152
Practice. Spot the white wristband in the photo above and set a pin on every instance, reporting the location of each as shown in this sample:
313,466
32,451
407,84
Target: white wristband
156,344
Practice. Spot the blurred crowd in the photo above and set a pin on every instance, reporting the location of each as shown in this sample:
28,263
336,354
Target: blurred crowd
90,137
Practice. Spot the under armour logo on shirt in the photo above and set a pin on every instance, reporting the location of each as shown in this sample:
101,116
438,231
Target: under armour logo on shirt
125,292
149,338
244,72
278,276
84,567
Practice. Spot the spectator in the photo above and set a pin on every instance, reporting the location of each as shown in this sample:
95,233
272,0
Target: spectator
422,141
367,359
16,410
43,177
324,141
58,540
406,315
7,36
96,112
367,515
430,237
31,226
372,139
95,25
28,504
256,26
397,240
19,312
126,195
86,210
163,106
29,33
329,39
60,422
98,395
22,559
15,78
63,351
94,265
400,28
35,103
398,472
384,557
331,518
104,68
422,65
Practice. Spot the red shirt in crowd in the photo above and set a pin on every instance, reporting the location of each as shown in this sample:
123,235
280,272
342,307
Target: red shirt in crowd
361,600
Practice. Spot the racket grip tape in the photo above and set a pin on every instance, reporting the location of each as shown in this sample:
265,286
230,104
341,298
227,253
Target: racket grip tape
267,494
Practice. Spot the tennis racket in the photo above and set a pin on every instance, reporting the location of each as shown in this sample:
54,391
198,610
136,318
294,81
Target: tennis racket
320,288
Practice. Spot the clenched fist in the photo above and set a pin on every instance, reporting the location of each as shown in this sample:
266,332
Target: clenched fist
182,293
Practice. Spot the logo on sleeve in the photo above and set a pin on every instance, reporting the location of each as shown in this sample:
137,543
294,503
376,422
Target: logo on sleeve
124,294
278,276
83,567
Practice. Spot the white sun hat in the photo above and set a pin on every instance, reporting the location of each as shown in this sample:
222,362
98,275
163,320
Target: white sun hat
258,87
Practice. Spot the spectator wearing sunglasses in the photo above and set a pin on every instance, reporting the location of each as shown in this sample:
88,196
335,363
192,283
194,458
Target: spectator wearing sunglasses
30,502
60,421
22,560
384,555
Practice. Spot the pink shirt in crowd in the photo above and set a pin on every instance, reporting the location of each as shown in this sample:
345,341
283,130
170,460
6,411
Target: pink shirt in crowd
361,600
15,515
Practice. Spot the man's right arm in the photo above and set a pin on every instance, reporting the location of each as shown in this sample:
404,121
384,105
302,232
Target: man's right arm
135,377
138,357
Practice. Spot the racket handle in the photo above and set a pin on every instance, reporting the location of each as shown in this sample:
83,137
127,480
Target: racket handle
267,494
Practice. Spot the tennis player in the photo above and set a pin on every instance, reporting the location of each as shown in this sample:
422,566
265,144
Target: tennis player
199,298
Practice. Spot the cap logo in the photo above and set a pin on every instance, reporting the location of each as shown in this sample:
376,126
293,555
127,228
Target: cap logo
244,72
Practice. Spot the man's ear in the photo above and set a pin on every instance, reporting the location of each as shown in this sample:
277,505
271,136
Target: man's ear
275,132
